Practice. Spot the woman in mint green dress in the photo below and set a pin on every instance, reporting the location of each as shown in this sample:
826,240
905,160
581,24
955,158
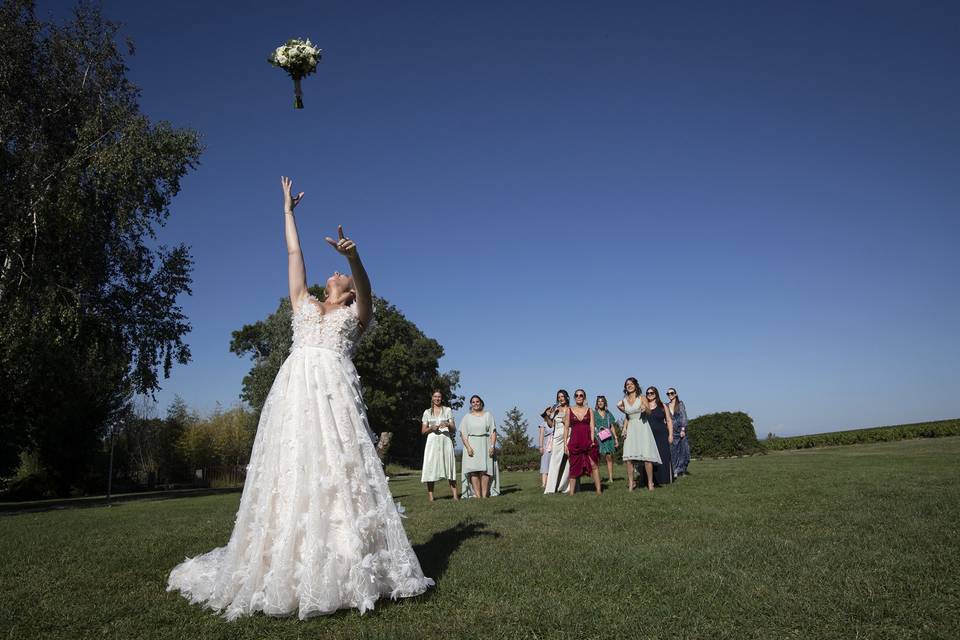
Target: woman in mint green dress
479,436
639,446
439,460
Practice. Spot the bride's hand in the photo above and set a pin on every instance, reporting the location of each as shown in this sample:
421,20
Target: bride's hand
344,246
289,202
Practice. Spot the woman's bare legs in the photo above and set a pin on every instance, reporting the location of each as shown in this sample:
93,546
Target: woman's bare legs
648,467
543,480
631,479
572,485
453,489
485,483
430,491
610,467
475,484
595,474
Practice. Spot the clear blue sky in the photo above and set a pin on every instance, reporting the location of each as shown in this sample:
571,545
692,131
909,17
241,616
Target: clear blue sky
755,202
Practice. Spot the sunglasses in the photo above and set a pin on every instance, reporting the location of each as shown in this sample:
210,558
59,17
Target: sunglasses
579,395
671,393
652,393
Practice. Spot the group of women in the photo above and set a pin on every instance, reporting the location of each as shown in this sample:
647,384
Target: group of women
654,437
478,434
572,440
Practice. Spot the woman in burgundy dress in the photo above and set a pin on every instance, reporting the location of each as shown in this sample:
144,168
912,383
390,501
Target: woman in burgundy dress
581,447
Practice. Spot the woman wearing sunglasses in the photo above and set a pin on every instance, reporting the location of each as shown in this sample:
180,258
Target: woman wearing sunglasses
680,449
578,432
661,425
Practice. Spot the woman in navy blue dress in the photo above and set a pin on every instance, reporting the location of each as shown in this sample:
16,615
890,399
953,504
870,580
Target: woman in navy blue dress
661,424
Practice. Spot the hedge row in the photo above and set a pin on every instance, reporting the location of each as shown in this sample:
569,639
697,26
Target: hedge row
519,461
729,433
937,429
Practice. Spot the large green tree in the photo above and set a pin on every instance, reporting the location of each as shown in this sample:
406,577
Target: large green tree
88,298
398,366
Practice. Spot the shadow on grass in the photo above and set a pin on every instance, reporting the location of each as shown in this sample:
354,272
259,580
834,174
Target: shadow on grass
510,488
434,554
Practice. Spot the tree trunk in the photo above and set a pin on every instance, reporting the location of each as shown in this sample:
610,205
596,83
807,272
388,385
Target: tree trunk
383,445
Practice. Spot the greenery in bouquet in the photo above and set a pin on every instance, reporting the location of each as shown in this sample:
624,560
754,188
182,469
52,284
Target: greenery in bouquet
299,58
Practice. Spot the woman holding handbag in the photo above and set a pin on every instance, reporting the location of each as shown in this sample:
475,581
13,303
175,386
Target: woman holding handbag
605,426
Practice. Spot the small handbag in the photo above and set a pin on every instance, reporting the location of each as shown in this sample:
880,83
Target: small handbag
605,434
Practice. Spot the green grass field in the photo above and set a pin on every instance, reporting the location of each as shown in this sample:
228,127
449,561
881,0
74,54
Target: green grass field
852,542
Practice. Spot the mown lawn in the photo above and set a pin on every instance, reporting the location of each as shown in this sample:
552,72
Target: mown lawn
851,542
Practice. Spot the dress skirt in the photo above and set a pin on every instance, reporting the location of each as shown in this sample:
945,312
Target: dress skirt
559,471
582,451
439,460
640,443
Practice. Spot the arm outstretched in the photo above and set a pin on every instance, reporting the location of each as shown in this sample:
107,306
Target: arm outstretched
361,281
296,271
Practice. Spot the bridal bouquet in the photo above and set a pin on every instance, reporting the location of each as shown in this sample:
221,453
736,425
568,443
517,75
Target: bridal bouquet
299,58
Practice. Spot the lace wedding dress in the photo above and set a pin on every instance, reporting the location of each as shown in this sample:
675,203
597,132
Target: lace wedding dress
317,529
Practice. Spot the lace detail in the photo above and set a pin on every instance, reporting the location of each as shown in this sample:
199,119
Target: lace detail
338,329
317,529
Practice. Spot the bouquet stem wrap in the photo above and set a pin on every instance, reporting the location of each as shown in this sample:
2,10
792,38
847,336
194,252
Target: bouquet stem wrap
297,94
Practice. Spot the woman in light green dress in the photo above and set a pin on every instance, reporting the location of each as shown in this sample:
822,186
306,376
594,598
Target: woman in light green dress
439,460
479,436
638,443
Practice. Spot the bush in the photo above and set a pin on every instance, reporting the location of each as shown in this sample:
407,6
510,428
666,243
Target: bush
937,429
519,460
729,433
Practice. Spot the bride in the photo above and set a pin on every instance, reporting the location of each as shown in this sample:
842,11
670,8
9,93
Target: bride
317,529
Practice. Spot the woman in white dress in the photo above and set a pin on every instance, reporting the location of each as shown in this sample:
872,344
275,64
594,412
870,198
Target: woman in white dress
638,442
439,460
317,529
559,473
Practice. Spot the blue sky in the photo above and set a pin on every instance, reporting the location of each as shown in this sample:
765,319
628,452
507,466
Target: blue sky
756,203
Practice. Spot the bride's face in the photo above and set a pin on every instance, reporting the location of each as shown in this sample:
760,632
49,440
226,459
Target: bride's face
339,283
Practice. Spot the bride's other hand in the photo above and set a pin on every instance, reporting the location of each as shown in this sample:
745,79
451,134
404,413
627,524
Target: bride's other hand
289,202
344,246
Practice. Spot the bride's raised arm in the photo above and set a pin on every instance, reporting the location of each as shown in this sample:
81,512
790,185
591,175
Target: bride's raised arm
296,271
361,281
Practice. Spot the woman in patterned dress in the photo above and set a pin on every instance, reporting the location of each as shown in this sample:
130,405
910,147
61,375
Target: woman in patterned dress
605,426
680,449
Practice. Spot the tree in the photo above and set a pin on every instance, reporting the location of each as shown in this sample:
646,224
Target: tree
515,440
398,367
88,300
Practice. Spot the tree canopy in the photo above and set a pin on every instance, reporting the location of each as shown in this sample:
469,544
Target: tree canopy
88,297
398,367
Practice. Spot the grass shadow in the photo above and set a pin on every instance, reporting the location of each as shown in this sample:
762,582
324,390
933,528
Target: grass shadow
434,554
510,488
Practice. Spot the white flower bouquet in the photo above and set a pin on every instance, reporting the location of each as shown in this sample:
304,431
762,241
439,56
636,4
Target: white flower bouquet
299,58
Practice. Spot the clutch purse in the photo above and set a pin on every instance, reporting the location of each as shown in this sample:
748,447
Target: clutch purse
605,434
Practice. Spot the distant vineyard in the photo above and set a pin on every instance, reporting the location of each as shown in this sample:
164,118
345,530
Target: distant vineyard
937,429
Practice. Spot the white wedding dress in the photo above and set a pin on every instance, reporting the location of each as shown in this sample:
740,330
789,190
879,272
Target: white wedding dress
317,529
